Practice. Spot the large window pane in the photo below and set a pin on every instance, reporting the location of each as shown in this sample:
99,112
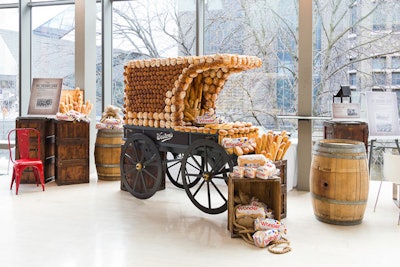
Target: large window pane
9,55
331,68
150,29
53,46
53,43
267,29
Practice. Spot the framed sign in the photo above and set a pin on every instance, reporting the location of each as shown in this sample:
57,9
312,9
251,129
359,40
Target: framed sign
383,116
45,96
345,110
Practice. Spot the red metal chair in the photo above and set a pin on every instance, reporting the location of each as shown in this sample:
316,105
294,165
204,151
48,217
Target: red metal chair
28,155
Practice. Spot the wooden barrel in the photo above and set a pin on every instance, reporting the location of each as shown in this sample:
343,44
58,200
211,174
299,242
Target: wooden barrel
339,181
107,154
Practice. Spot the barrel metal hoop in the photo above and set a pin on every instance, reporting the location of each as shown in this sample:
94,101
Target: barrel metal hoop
354,170
330,155
340,202
108,165
108,145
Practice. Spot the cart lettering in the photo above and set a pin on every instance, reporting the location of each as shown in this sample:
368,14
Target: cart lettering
163,137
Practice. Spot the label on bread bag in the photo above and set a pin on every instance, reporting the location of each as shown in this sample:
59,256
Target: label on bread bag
232,142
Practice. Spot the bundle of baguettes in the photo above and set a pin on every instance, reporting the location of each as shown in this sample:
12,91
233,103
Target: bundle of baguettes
74,101
273,146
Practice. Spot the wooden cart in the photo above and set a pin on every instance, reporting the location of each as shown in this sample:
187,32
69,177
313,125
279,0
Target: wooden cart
163,97
193,161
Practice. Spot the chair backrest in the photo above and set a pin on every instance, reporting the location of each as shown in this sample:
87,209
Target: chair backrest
27,141
391,167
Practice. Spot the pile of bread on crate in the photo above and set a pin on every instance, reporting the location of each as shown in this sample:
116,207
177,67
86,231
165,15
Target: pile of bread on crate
255,223
266,148
256,209
72,106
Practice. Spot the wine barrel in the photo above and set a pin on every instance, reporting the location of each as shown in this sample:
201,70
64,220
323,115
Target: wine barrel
107,154
339,181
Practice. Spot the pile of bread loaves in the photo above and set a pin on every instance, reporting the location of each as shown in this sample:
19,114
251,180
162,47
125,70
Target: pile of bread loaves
72,107
170,92
255,166
181,93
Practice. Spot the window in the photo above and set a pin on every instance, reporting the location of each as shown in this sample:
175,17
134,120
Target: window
241,27
379,78
53,43
353,18
150,29
379,19
396,18
396,78
353,80
395,63
379,63
9,65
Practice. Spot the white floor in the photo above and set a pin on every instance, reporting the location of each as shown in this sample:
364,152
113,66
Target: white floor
97,224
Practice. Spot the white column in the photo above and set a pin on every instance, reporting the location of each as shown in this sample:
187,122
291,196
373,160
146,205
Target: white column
25,41
305,95
85,60
107,47
200,7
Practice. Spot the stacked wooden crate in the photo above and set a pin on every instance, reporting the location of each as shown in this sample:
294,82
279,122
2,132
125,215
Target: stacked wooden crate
47,147
72,152
64,150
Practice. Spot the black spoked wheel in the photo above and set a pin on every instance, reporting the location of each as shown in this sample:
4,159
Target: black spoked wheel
173,170
211,164
141,168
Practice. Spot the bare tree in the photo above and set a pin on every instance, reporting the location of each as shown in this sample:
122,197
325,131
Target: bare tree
348,42
153,28
267,29
264,29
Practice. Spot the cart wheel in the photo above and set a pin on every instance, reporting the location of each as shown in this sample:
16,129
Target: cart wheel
174,170
211,163
141,167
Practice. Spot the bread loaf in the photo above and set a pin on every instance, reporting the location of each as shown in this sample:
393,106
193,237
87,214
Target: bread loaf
252,160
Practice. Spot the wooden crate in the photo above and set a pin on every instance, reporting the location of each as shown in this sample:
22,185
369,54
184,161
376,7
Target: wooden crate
72,152
47,147
352,130
267,191
282,166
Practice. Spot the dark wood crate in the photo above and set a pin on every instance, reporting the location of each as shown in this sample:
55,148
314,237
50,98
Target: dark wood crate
47,147
283,201
352,130
72,152
267,191
282,166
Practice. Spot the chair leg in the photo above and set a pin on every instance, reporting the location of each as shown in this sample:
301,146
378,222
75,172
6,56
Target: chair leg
379,190
12,179
17,180
39,175
36,174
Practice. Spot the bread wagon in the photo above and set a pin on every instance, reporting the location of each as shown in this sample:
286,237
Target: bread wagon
171,128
